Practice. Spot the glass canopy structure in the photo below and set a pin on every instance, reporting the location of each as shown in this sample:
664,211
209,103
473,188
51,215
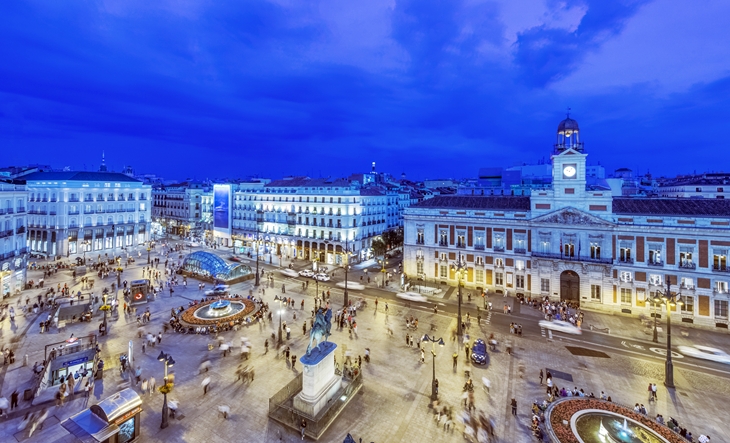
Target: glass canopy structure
210,265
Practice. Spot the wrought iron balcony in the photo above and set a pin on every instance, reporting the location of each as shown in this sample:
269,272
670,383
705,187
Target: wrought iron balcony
655,263
721,268
688,265
520,251
569,258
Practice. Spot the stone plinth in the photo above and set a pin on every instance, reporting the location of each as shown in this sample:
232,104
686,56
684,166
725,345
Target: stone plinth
319,381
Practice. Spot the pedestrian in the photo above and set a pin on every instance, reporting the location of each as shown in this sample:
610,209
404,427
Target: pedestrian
408,340
423,356
159,337
14,400
4,405
653,391
225,410
138,374
455,357
144,346
303,427
541,375
153,384
376,301
514,407
205,383
386,303
266,346
144,387
293,360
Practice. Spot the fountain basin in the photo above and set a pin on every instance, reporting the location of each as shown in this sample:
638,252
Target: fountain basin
600,426
224,310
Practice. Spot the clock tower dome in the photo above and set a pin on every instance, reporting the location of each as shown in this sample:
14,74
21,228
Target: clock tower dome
569,162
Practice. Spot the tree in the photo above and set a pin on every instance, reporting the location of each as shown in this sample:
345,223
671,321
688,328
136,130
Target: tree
378,246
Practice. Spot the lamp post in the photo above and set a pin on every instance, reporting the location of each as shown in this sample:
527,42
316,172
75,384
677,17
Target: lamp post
459,266
347,267
669,301
382,263
654,304
149,248
105,310
86,244
434,382
169,362
256,242
281,301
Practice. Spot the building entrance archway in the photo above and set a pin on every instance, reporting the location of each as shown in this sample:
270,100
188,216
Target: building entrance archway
570,287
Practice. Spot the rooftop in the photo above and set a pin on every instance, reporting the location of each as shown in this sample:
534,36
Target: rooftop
80,176
671,206
491,202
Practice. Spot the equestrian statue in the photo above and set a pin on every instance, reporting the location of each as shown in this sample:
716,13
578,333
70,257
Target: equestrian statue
321,329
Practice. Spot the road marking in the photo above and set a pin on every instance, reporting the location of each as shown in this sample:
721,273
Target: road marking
631,345
663,352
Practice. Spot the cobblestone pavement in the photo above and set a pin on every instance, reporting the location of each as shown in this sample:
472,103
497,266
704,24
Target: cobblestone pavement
393,405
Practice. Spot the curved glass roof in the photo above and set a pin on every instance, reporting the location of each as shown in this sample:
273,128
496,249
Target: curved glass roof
208,264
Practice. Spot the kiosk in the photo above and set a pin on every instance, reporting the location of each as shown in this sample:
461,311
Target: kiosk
139,291
115,419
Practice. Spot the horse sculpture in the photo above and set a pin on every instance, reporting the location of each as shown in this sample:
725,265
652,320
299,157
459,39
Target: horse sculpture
321,329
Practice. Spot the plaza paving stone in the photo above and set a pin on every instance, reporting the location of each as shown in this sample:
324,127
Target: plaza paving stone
393,405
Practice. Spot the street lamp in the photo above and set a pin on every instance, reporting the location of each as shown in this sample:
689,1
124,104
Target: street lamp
256,242
347,267
459,266
670,301
86,244
655,304
149,248
169,362
382,264
281,301
434,383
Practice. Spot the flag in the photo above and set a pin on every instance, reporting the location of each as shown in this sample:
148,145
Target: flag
561,245
578,248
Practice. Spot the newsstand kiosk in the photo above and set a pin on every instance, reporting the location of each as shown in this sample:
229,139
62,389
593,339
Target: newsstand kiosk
115,419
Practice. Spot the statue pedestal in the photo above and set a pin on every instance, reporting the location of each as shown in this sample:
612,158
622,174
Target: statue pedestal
319,381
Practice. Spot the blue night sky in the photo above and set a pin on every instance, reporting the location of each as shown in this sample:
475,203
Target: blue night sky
194,88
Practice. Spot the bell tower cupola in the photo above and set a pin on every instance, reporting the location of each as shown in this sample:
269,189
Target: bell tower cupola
568,136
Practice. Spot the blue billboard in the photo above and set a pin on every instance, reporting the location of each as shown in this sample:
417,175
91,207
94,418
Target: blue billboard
221,206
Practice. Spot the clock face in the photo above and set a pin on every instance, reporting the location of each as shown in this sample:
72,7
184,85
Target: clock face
569,171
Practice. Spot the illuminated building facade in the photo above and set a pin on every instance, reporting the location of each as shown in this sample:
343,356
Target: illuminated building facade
13,232
178,208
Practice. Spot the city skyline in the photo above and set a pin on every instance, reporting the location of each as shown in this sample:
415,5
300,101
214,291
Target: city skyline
325,91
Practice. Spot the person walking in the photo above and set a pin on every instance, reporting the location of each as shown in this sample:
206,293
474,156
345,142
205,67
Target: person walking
541,376
205,383
653,391
456,359
153,385
423,356
14,400
514,407
145,386
303,427
266,346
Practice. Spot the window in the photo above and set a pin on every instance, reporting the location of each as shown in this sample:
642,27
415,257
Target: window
719,260
499,242
520,265
479,241
499,279
499,263
480,261
545,285
443,238
626,276
625,254
544,245
479,275
520,281
626,296
520,244
721,287
444,271
442,256
419,236
655,255
569,249
685,257
419,267
596,292
688,304
687,283
655,279
721,309
460,239
595,251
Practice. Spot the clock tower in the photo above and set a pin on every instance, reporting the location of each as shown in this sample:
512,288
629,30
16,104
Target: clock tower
569,162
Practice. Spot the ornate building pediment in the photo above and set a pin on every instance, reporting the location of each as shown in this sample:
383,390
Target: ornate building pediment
572,216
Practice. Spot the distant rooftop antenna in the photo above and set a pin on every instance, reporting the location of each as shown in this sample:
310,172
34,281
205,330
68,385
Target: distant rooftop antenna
102,168
568,113
373,169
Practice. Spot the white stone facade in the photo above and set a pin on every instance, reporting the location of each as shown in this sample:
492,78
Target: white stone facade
578,243
13,231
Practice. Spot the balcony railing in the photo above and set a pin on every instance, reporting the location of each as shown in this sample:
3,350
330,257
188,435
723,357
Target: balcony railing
443,243
3,211
73,200
20,230
6,233
461,245
520,251
567,258
76,212
627,260
721,268
479,247
655,263
498,248
688,265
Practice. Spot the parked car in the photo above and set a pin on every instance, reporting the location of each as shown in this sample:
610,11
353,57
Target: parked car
412,296
289,272
322,277
479,352
306,273
705,353
560,326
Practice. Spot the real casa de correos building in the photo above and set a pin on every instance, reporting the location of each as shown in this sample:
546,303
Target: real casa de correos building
578,242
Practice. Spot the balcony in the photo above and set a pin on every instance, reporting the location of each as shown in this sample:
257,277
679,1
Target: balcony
10,210
89,211
655,263
20,230
443,243
520,251
75,212
687,265
54,200
6,233
498,249
73,200
479,247
555,256
51,212
626,260
721,268
418,241
3,211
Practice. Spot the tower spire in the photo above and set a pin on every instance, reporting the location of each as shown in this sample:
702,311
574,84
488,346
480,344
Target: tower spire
102,168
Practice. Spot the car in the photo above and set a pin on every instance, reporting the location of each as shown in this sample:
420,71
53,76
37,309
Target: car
289,272
479,352
560,326
322,277
306,273
705,353
234,258
351,286
412,296
217,290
